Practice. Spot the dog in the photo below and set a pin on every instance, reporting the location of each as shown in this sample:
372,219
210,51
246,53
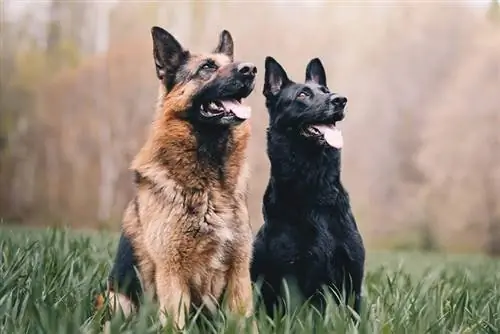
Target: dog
309,237
186,237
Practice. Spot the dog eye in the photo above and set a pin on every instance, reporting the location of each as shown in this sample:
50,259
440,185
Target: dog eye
303,95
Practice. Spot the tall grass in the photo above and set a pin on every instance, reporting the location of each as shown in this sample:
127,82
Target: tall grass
49,279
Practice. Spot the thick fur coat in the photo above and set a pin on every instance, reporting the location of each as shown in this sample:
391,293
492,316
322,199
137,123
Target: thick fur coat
309,237
187,229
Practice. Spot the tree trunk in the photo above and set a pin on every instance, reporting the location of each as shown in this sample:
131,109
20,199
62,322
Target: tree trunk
54,29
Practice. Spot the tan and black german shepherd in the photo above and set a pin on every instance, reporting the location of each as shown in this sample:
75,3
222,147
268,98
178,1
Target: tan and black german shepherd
187,229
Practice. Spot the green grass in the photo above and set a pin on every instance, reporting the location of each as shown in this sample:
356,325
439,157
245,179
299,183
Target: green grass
48,280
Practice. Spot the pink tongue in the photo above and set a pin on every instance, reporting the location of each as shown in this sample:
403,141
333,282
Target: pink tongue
333,136
240,110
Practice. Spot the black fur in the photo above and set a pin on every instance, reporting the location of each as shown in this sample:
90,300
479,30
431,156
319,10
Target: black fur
309,234
226,44
168,55
123,277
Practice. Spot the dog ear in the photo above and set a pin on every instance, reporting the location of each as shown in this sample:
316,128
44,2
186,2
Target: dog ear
316,72
226,44
275,77
167,51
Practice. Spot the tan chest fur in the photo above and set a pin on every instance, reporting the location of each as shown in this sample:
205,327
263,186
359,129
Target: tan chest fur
192,230
196,228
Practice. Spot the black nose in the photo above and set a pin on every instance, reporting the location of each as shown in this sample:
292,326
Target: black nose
247,69
338,101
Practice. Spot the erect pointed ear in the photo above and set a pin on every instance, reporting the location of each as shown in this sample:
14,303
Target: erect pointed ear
275,77
316,72
226,44
167,51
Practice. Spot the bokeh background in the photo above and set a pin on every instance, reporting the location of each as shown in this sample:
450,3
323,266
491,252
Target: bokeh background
422,140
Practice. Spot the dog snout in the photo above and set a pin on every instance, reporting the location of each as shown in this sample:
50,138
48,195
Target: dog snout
338,101
247,69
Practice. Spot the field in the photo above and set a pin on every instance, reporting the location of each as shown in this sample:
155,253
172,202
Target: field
48,279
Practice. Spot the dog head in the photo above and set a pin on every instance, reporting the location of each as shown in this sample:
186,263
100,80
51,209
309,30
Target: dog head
305,111
214,83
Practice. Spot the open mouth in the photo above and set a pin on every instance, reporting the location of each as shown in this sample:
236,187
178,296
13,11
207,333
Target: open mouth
226,108
328,132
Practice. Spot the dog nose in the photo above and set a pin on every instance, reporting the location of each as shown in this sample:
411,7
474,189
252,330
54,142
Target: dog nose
338,101
247,69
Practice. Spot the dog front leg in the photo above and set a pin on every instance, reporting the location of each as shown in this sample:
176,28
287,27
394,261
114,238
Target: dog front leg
240,296
173,297
240,299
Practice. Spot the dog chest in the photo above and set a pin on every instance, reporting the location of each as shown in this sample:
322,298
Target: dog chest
195,226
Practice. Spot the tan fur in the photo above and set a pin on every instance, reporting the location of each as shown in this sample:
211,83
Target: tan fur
119,301
189,227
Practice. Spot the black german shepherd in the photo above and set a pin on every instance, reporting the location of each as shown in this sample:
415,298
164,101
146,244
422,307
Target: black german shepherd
309,236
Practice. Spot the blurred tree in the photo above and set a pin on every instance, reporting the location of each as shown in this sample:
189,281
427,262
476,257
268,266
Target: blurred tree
461,144
34,50
54,34
132,20
63,33
412,82
494,11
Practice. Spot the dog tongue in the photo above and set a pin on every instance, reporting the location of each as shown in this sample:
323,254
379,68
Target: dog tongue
332,135
240,110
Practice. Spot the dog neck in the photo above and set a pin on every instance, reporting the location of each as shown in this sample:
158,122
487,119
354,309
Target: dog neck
303,166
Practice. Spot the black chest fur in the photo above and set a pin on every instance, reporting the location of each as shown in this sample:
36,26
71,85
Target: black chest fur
309,236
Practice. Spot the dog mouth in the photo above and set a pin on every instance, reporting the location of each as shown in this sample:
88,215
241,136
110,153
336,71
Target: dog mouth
327,133
227,107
